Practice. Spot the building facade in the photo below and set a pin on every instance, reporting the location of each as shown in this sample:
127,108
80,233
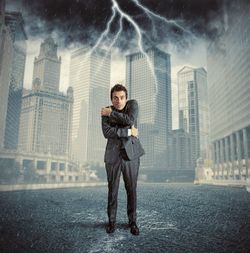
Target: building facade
15,22
229,95
6,55
149,82
194,110
45,125
181,151
90,79
175,108
47,66
39,168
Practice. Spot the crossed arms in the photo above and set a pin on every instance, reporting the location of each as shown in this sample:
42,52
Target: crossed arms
123,121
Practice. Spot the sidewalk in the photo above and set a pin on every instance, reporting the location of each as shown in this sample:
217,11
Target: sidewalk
230,183
17,187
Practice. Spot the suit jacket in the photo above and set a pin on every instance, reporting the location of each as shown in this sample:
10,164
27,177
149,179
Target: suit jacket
115,129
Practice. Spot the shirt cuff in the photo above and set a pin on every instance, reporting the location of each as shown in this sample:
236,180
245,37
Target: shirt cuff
129,132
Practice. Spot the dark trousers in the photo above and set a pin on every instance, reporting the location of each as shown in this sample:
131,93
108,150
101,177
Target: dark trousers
129,171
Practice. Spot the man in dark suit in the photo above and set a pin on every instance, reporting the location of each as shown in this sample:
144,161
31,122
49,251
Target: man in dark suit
122,153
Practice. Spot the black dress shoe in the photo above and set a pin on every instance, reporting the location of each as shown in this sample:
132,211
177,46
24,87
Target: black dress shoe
110,228
134,229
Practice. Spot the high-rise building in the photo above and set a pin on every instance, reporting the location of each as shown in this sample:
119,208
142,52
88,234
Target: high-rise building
149,82
2,18
181,152
90,79
175,109
15,22
6,55
45,125
193,110
229,94
47,66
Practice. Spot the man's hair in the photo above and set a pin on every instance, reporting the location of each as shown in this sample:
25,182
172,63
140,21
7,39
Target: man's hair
118,87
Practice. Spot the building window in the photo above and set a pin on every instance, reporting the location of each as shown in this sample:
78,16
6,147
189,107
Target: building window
53,166
62,166
41,165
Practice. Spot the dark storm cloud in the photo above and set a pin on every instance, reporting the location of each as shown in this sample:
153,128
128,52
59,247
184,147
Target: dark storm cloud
84,20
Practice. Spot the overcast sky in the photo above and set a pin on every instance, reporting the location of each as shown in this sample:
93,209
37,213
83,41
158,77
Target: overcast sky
182,28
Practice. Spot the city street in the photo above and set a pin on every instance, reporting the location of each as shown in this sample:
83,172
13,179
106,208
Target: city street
171,217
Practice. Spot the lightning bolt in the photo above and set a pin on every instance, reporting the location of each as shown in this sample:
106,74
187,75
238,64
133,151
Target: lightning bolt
139,33
106,31
117,34
115,7
99,41
167,21
117,10
103,35
111,45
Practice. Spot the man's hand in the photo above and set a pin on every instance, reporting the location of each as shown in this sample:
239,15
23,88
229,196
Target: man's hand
134,131
106,111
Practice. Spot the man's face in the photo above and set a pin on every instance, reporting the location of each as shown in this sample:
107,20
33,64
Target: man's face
119,99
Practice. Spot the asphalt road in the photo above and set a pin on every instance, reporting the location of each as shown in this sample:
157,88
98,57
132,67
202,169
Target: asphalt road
171,217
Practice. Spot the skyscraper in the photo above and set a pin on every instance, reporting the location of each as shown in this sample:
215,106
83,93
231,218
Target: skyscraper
46,115
193,109
90,79
181,153
150,85
15,22
47,66
229,94
175,109
6,54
